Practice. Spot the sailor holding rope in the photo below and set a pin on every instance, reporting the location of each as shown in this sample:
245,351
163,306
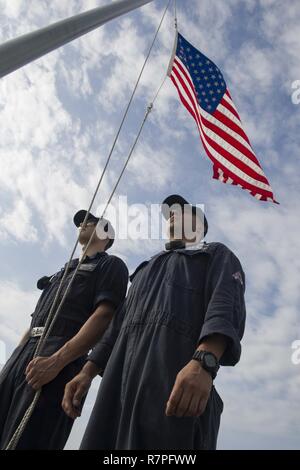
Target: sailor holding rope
97,290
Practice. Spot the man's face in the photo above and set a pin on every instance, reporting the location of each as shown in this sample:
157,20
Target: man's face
86,232
184,226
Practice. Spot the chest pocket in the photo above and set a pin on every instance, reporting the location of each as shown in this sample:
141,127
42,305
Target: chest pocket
87,268
187,273
82,284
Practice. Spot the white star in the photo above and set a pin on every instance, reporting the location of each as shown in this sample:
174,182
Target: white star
207,61
203,71
218,90
211,92
216,83
200,64
206,100
209,106
214,99
210,69
203,93
205,78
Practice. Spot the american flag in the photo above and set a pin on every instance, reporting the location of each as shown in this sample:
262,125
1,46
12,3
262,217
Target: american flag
203,91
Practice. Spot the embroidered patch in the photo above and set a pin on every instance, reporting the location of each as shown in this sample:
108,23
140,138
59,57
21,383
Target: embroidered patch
87,267
238,277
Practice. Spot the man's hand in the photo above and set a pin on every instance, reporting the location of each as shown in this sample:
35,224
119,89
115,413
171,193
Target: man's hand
42,370
190,392
75,390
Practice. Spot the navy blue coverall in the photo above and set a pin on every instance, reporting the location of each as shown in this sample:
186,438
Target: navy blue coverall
175,301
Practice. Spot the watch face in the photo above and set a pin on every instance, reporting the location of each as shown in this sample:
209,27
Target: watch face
210,360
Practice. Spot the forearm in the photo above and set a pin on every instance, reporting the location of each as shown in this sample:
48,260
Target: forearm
215,343
87,337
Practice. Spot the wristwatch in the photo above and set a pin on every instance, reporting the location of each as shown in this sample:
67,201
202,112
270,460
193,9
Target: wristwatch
208,361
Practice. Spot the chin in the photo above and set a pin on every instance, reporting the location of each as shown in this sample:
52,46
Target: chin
82,240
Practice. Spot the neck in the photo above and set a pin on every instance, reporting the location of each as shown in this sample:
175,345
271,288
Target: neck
174,244
93,249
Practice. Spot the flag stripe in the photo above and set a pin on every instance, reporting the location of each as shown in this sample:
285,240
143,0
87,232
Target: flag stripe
234,146
228,106
229,150
227,98
222,117
203,91
233,155
209,117
233,172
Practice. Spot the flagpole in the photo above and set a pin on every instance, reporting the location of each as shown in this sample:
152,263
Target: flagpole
175,41
22,50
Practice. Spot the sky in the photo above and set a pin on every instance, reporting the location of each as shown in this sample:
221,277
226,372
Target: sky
58,118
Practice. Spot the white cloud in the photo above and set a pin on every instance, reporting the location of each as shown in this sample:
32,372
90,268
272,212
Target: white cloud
16,306
59,117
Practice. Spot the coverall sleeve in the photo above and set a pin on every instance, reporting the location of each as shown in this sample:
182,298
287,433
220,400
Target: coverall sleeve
226,311
102,351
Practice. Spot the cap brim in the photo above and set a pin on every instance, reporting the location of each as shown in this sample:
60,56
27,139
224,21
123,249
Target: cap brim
80,216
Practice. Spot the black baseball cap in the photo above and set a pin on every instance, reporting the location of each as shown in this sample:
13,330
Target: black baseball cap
107,227
176,199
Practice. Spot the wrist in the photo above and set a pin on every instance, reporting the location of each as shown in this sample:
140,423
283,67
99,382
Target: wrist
62,358
208,361
90,370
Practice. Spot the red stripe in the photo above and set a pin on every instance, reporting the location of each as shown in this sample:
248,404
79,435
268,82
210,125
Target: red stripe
232,140
192,98
198,117
240,165
236,178
238,146
229,123
217,114
230,108
188,78
253,193
232,159
185,102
